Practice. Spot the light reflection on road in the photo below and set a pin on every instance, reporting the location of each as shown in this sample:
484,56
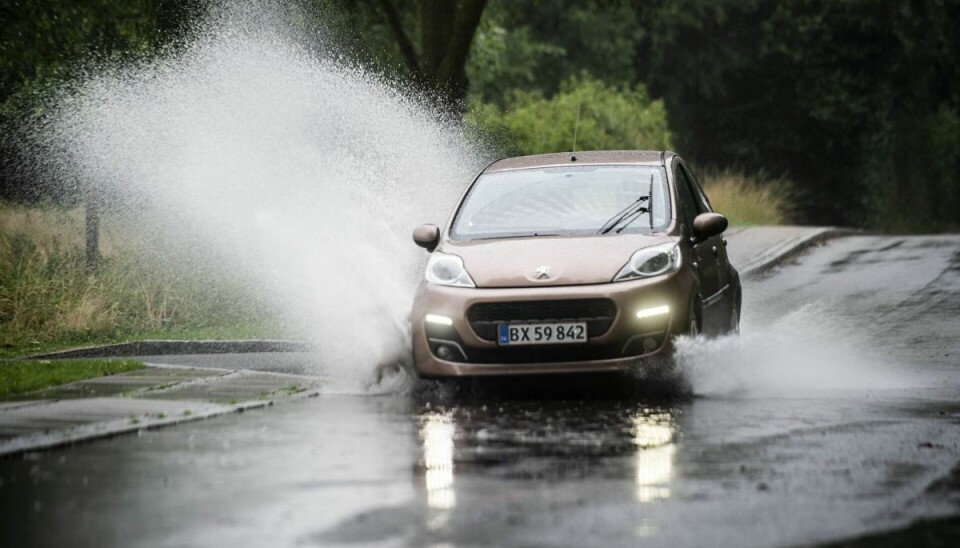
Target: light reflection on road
436,431
634,442
653,436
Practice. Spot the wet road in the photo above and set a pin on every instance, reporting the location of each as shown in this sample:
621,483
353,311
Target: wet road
835,414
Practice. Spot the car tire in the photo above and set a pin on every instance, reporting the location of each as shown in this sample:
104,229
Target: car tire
734,325
694,329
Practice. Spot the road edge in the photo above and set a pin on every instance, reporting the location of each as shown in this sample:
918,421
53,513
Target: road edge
783,251
160,347
42,441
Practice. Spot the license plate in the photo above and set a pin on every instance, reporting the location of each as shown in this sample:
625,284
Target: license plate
542,333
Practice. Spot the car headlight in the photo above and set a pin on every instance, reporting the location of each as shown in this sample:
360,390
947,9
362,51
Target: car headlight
650,261
446,269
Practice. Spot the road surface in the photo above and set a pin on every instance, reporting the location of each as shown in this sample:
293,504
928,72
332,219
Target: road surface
835,415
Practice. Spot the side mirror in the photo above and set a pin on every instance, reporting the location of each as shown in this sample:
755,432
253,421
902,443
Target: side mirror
427,236
707,225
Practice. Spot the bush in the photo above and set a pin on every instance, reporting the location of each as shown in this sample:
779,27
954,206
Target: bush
610,118
911,169
745,200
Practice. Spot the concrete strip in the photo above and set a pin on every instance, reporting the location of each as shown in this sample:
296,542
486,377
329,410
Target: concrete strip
122,384
155,397
8,405
237,386
63,422
162,347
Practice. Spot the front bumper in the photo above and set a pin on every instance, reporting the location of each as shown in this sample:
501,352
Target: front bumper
614,345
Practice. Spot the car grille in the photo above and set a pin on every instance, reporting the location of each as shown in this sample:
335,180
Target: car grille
598,313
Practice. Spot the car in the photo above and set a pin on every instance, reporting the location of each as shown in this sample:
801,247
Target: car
572,263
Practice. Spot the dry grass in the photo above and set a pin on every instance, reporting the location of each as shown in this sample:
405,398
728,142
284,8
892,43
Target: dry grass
48,228
758,200
47,298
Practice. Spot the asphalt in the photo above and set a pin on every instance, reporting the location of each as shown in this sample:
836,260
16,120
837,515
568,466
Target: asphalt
105,406
833,419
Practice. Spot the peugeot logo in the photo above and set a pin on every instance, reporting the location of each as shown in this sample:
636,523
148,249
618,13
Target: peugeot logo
543,272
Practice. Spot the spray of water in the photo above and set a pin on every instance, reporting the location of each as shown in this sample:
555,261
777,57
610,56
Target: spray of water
295,171
808,352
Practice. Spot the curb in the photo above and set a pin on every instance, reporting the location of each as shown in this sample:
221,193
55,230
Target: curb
40,441
167,347
783,251
30,443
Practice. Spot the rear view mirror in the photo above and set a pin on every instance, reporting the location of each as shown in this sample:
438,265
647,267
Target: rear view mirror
427,236
707,225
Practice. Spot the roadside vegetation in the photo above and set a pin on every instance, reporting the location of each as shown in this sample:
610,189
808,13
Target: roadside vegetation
19,376
749,200
142,289
604,117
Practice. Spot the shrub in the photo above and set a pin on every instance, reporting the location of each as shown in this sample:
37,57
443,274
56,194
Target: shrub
610,118
745,200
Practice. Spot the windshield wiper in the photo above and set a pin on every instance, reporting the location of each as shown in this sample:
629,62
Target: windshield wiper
630,213
634,210
633,218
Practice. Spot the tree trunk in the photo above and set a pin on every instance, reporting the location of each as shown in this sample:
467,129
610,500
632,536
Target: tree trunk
447,28
93,233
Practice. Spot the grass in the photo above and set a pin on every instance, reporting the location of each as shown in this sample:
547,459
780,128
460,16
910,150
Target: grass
745,200
19,376
144,288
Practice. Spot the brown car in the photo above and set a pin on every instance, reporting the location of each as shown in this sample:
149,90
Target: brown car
580,262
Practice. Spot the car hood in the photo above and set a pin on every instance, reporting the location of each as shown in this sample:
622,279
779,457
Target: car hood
570,260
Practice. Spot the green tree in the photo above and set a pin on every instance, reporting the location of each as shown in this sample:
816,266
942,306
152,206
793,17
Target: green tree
856,100
529,45
609,118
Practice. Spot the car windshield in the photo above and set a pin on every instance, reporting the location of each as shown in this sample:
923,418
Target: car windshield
564,200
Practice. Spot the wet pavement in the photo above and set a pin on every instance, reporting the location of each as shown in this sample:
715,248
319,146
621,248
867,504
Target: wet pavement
835,415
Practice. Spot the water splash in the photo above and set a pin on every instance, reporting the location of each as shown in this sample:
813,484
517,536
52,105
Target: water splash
806,352
296,171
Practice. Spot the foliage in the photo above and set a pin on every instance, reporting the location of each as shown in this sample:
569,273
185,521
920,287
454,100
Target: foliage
536,46
610,118
744,200
17,377
505,59
855,100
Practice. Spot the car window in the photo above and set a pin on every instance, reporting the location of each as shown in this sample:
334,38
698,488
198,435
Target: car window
564,201
703,203
688,204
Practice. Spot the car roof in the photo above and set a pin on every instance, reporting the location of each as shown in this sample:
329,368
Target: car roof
620,157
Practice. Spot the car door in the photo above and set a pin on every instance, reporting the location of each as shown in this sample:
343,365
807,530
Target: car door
705,253
718,241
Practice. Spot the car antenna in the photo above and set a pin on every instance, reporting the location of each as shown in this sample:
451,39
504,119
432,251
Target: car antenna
576,126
